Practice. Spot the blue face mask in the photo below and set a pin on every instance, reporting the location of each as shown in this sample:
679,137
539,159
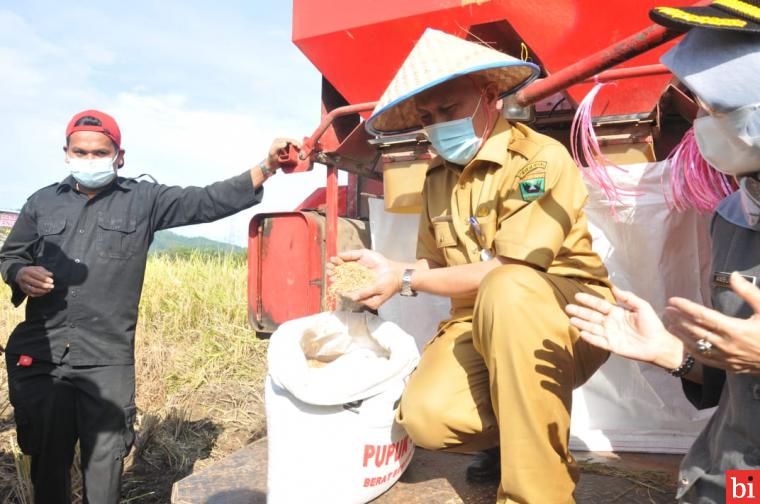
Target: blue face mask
455,141
93,173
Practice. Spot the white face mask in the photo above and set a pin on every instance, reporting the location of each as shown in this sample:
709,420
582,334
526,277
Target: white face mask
93,173
456,141
725,143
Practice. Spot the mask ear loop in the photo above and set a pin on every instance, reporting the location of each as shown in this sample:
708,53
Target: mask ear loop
489,120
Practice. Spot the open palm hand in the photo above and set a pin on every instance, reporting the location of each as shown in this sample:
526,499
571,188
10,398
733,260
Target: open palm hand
630,329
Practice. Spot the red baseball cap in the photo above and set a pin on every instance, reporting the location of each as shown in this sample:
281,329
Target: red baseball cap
107,126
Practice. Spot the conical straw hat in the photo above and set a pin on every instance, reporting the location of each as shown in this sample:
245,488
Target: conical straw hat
437,58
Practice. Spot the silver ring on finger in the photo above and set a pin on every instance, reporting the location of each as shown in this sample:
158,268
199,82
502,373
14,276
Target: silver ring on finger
704,347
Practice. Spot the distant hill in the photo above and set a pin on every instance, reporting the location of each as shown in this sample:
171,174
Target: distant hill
167,241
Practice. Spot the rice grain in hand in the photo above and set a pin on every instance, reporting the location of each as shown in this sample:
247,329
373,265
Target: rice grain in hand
351,276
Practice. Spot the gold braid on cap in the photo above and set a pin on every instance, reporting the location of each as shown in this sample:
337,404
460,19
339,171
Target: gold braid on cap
744,8
703,20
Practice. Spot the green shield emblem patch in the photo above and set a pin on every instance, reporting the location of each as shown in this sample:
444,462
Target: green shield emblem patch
532,189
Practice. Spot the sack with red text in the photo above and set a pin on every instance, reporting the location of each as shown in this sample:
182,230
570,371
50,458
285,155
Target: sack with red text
333,386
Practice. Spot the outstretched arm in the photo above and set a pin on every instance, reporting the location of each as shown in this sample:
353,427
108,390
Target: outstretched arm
175,206
451,281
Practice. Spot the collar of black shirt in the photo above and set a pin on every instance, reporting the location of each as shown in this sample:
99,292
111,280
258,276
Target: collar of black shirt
69,183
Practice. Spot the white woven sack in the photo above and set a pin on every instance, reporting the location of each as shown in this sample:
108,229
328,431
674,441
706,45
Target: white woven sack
332,436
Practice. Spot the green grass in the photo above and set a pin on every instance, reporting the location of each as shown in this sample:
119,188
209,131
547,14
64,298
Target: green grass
200,372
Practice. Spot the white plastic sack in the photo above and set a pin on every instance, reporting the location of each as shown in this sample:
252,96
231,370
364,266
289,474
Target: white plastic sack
657,253
651,250
332,436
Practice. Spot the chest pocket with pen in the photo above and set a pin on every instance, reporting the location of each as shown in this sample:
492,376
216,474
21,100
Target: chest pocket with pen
116,237
443,228
486,219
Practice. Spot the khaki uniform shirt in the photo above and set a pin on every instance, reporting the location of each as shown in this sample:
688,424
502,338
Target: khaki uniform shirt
527,195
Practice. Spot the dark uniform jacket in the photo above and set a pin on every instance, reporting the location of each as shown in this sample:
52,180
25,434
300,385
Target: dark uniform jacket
731,439
97,249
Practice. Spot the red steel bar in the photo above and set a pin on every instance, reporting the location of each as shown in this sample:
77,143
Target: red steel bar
311,143
310,146
331,230
593,64
628,73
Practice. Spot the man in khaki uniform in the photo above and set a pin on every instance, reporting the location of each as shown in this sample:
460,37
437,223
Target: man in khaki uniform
504,235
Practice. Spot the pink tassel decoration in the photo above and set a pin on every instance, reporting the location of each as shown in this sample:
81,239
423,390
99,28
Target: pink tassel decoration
693,182
588,155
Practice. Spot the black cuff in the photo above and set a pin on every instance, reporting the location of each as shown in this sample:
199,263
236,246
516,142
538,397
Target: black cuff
17,295
258,192
707,394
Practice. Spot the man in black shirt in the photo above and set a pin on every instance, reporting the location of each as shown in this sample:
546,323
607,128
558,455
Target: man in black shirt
78,253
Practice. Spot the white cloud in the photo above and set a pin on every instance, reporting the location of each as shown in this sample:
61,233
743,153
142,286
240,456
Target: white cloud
179,145
198,90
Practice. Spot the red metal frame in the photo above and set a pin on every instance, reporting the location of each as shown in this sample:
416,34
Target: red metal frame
312,143
629,73
331,231
574,74
589,66
359,45
628,48
318,201
354,34
295,160
307,154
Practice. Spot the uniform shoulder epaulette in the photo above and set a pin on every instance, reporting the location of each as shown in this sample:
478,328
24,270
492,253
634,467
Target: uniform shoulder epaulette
530,143
53,186
526,147
436,163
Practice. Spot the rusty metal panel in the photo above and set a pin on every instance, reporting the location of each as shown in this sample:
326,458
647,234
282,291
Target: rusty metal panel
286,258
284,268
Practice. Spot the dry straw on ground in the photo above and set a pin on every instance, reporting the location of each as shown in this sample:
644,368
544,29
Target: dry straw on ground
200,372
657,481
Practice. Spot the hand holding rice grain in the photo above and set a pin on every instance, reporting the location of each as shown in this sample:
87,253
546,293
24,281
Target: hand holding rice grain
370,280
350,276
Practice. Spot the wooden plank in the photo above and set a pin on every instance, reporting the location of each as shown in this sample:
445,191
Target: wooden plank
432,478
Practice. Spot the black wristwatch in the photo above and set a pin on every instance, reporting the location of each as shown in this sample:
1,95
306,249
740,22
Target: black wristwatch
406,284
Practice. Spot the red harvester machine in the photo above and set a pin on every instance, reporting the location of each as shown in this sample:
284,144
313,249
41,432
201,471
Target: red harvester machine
359,45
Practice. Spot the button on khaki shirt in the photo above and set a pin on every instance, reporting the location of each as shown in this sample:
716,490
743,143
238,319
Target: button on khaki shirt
527,195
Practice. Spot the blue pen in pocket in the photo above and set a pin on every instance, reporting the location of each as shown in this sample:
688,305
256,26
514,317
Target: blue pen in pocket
485,254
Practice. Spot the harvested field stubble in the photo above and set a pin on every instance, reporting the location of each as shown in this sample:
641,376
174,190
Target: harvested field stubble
200,372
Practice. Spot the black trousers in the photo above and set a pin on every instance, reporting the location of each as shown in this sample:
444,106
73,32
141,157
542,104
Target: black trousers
54,405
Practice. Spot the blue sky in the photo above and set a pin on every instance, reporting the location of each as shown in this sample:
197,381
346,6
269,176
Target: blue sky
199,90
